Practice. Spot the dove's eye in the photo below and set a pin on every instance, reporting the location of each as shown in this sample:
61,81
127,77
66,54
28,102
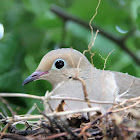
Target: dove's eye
59,64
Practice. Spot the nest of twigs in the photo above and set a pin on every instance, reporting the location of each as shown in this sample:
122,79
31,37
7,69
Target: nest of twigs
120,122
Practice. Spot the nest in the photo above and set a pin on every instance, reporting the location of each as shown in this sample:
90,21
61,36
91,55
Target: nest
122,121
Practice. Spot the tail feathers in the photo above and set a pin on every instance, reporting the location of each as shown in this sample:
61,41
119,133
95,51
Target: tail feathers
129,86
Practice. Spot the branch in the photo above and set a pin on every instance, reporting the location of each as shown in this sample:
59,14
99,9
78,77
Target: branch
127,107
21,95
51,98
84,90
17,118
119,41
80,100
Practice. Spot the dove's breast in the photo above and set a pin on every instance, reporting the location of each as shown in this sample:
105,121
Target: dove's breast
100,86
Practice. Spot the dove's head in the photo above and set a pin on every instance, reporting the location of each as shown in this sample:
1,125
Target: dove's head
59,65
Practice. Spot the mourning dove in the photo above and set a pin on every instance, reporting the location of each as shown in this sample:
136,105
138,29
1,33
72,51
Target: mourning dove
62,65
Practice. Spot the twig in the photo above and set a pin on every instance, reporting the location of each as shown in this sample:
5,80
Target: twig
105,59
12,136
92,123
51,98
48,94
90,25
8,106
59,114
21,95
133,129
61,134
84,90
125,101
80,100
31,109
91,44
122,94
65,127
127,107
133,99
4,129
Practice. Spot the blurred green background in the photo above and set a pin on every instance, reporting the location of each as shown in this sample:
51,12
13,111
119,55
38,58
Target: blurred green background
32,29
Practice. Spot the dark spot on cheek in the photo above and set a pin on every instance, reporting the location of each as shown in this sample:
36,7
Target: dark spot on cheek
70,77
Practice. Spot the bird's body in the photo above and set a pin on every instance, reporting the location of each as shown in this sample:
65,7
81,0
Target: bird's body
97,87
63,65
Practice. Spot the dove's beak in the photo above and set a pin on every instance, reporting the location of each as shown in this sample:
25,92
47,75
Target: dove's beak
34,76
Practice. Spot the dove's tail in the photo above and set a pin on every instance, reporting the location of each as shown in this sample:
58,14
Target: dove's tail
129,86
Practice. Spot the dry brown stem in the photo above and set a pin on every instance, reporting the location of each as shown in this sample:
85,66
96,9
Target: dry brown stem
8,106
105,59
92,54
50,98
127,107
84,90
17,118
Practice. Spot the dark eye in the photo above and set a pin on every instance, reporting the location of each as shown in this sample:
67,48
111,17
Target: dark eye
59,64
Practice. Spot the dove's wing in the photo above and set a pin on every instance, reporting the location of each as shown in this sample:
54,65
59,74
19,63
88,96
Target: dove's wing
127,84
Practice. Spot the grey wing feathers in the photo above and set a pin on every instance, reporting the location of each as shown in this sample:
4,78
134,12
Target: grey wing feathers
127,84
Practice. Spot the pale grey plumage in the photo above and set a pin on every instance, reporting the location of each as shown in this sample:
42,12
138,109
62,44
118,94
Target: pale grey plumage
101,85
